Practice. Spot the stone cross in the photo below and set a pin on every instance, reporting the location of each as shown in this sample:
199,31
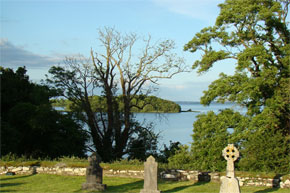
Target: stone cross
230,184
150,176
94,174
231,154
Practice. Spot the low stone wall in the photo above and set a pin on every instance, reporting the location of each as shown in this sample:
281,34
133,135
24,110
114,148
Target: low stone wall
215,177
178,175
44,170
68,171
125,173
190,175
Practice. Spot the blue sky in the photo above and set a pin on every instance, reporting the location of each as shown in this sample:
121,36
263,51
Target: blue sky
41,33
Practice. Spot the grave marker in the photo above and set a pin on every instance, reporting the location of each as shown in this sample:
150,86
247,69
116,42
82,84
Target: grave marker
94,174
230,184
150,176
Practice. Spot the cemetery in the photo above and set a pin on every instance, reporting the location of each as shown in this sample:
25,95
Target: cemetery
151,176
202,105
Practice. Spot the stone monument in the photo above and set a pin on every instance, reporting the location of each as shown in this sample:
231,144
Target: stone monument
150,176
229,183
94,174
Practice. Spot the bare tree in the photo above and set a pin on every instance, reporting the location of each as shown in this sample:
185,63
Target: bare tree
134,70
128,65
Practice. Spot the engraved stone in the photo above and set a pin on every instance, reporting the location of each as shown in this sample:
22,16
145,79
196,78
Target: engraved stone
230,184
150,176
94,174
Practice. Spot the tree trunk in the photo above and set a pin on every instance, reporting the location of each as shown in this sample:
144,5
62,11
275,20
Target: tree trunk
108,128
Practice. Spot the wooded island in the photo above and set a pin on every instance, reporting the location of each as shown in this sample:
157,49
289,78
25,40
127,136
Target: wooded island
142,104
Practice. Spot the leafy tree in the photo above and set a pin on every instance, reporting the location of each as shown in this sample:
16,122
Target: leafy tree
30,126
254,34
144,143
266,148
117,69
182,159
211,135
168,152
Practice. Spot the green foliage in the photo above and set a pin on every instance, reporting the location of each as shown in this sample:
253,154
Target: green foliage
145,104
11,159
168,152
140,104
265,147
143,143
211,135
124,164
255,35
30,126
68,161
182,159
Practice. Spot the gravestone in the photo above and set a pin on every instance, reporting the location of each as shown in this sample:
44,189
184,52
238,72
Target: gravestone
229,183
10,174
150,176
33,170
94,174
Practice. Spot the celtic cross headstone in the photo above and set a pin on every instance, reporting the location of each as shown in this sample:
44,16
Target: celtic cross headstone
231,154
230,184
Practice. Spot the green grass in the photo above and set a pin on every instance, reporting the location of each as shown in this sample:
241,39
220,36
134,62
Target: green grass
55,183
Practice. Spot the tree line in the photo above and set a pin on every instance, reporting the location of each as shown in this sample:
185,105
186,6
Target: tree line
29,124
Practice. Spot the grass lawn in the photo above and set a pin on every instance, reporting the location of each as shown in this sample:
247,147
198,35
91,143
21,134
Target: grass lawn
54,183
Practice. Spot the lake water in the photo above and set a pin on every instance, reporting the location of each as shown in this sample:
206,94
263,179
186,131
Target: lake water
179,126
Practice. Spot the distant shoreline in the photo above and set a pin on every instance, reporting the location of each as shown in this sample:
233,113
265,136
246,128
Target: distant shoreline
197,102
189,111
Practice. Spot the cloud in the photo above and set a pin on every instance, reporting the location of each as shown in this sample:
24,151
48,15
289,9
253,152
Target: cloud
186,91
205,10
15,56
175,87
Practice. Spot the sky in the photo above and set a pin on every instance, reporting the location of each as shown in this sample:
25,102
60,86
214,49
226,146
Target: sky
41,33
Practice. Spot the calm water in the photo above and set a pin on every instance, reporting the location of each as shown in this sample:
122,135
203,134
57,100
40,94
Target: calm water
179,126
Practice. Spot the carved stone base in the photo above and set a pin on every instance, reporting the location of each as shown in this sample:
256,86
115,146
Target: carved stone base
149,191
229,185
94,186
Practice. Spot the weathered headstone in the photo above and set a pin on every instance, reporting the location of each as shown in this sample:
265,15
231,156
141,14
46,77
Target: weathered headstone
94,174
150,176
33,170
230,184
